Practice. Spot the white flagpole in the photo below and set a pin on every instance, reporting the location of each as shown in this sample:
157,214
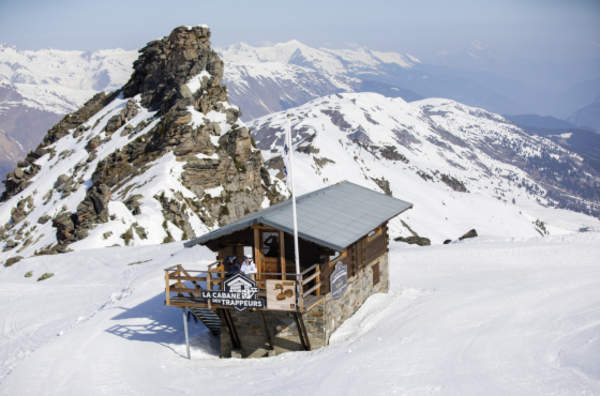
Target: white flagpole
291,174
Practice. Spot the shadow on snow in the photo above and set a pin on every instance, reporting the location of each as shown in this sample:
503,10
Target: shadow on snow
152,321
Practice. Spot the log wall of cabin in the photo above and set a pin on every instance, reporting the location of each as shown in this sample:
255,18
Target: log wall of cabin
358,255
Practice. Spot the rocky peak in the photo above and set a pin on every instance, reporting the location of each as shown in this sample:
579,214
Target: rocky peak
165,66
164,158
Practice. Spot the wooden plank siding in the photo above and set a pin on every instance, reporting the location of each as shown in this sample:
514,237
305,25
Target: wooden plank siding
358,255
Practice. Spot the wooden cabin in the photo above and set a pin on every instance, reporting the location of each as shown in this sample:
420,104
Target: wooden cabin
343,245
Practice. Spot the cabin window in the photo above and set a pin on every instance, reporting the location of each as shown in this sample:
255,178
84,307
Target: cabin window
270,244
374,234
375,273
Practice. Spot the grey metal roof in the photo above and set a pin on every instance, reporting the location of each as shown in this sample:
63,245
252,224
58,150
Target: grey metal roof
334,216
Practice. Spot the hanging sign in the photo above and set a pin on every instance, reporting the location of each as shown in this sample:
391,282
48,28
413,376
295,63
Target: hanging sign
339,281
281,295
239,292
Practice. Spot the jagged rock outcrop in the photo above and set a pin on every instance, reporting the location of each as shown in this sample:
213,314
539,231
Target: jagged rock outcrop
414,240
72,227
165,66
94,208
453,183
174,211
13,260
19,213
18,180
126,114
132,203
161,76
169,136
471,234
383,184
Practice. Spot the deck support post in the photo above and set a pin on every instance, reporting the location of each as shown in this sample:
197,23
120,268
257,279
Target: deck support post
302,332
264,322
187,337
233,335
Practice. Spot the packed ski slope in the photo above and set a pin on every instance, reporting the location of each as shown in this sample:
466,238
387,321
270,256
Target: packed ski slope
489,316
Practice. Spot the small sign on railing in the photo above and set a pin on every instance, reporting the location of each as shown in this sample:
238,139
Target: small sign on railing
239,292
281,295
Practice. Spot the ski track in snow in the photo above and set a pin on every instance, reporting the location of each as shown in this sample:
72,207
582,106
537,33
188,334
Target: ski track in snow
489,316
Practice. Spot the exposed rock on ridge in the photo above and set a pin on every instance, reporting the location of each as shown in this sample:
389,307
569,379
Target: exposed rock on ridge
168,143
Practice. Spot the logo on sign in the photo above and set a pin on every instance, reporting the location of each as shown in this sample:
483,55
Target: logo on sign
339,281
239,292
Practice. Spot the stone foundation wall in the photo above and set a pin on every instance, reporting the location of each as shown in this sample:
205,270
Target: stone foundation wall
360,287
320,322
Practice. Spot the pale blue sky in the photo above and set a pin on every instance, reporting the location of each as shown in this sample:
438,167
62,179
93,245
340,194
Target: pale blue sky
543,30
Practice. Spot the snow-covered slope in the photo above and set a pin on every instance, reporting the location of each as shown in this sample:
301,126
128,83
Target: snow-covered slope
268,87
490,316
462,167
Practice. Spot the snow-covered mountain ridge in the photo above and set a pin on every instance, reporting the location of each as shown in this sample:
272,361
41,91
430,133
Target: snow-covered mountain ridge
164,158
61,81
462,167
272,78
328,61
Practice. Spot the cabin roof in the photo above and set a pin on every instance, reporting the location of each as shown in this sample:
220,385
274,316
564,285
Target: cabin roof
334,216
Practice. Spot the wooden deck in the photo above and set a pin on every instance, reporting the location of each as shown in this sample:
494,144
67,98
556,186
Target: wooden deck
180,294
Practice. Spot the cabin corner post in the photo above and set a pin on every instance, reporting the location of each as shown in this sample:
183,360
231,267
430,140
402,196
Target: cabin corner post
168,291
318,281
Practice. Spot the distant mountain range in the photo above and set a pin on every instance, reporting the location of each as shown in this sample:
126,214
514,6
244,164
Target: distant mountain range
37,88
589,116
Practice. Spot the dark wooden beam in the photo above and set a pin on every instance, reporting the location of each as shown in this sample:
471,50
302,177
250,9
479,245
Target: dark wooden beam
233,335
302,332
264,322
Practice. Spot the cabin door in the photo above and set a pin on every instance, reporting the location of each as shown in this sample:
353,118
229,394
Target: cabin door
269,249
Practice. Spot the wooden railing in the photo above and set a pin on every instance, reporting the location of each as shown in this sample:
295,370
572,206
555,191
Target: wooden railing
213,277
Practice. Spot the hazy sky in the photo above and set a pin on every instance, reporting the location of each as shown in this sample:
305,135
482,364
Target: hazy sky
542,30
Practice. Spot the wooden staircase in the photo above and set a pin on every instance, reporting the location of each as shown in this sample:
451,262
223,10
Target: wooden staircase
208,317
